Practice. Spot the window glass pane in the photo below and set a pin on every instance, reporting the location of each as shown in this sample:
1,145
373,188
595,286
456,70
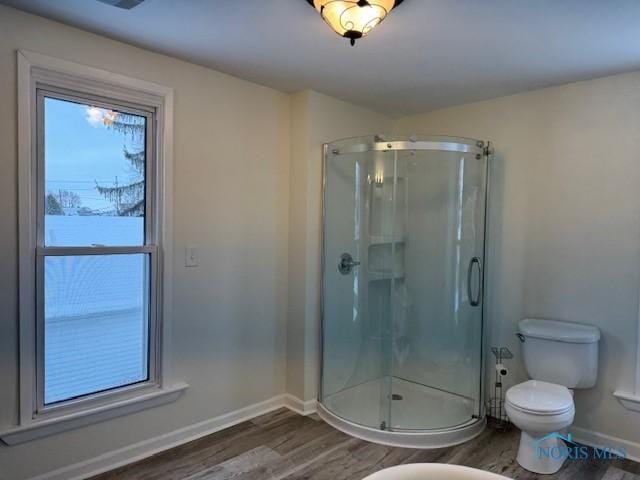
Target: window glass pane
94,163
96,323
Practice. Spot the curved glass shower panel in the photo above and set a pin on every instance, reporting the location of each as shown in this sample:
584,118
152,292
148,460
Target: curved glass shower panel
355,300
402,278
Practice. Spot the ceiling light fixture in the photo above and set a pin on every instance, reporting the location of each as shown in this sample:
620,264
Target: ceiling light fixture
354,19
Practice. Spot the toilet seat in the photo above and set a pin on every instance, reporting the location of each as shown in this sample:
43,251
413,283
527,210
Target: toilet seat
540,398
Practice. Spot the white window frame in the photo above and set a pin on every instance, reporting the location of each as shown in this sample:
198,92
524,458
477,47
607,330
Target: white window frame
36,71
44,90
630,398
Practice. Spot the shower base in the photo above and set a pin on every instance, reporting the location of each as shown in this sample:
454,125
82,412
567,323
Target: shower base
424,417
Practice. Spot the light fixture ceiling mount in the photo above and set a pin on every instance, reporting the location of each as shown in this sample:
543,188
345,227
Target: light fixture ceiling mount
354,19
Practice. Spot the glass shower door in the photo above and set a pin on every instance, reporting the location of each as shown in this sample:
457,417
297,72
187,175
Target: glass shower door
437,307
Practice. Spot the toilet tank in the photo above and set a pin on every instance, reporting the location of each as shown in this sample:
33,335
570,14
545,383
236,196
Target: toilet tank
560,352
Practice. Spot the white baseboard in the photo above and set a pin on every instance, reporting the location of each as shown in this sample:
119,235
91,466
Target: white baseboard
601,440
299,406
138,451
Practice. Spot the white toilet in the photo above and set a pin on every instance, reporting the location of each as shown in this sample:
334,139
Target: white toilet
558,356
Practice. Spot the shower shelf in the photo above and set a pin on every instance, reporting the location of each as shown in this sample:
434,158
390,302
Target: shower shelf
382,239
374,276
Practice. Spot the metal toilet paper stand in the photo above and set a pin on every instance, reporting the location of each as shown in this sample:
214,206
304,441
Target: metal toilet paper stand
497,418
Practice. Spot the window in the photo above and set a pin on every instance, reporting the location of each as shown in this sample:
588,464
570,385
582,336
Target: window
95,246
96,259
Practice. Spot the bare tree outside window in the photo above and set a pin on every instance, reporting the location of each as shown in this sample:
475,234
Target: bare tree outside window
67,198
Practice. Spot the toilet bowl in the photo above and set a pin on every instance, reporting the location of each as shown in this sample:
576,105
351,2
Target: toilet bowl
558,356
542,411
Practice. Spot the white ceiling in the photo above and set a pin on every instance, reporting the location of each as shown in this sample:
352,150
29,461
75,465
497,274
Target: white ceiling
427,54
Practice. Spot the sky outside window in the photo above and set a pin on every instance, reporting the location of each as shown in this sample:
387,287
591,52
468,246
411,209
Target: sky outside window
81,150
94,167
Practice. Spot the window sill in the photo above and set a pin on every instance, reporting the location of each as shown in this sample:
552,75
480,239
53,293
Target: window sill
43,428
628,400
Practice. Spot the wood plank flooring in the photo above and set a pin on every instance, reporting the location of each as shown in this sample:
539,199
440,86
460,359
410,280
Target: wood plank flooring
614,473
282,445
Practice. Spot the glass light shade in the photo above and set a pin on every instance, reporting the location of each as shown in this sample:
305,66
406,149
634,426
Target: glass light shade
353,19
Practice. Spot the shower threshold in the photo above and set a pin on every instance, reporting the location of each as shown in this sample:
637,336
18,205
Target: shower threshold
425,417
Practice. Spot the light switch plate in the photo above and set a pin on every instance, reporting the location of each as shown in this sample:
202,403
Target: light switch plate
191,256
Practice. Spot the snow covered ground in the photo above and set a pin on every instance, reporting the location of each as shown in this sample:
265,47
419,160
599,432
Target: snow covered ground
83,231
95,308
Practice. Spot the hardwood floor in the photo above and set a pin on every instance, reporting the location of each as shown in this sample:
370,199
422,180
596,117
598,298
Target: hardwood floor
285,446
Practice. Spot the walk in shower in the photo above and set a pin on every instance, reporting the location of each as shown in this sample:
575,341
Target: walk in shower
402,288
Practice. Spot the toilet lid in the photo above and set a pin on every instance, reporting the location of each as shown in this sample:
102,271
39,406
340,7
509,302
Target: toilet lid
540,397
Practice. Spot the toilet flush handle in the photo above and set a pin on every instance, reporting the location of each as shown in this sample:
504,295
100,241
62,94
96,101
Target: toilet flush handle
521,337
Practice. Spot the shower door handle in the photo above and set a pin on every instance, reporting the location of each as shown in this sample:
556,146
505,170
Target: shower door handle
346,264
474,302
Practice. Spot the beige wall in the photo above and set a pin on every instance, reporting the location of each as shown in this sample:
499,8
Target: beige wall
564,238
315,119
230,199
